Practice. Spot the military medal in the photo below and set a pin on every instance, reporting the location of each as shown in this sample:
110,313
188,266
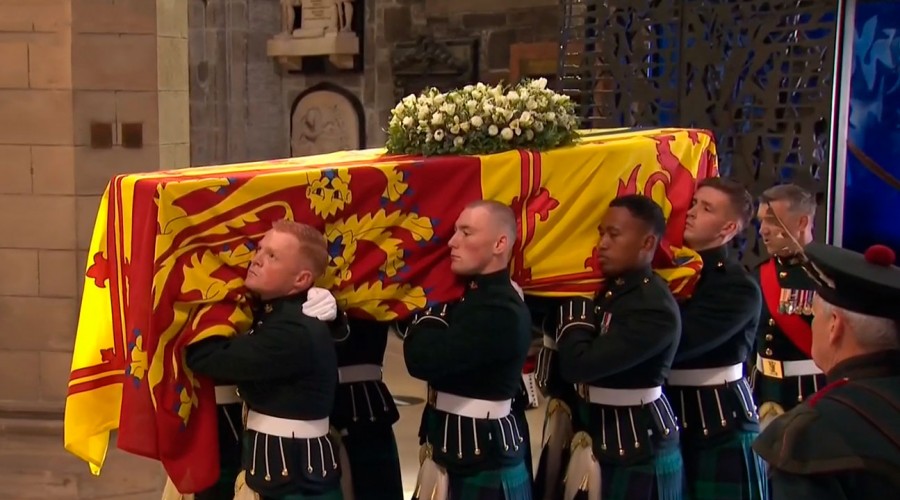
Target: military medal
783,301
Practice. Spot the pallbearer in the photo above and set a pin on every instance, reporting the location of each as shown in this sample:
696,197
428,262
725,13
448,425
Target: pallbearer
285,369
472,353
618,347
364,412
707,387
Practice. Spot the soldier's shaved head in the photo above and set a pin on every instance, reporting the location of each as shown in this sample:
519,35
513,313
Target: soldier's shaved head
502,215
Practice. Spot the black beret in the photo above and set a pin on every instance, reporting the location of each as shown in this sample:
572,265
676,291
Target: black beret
864,283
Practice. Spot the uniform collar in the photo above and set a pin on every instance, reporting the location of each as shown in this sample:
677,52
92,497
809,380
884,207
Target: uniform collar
496,278
277,303
714,257
790,260
873,365
628,280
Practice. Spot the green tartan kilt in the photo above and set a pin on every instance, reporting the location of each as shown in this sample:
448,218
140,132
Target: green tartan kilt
334,494
661,479
374,463
509,483
730,470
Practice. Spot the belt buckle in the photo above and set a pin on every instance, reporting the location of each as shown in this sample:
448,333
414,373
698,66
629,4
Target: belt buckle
772,368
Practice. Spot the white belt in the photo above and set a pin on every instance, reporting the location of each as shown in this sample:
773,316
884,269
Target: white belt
287,428
550,343
227,394
620,397
470,407
788,368
703,377
359,373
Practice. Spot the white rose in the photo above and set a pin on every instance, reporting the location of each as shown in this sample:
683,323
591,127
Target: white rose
492,130
529,135
437,119
458,142
454,129
512,96
471,105
469,88
477,94
538,126
550,116
507,133
540,83
531,104
476,121
408,121
439,99
526,118
422,113
438,135
514,124
465,126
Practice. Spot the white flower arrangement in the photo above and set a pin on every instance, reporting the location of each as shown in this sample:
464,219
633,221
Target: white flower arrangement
480,119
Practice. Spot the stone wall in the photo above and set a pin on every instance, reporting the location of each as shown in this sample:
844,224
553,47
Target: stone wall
67,70
241,99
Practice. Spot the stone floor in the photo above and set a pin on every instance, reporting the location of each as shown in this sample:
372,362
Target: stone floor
34,465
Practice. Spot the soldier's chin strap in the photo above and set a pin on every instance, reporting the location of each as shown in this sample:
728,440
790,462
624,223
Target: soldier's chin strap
796,248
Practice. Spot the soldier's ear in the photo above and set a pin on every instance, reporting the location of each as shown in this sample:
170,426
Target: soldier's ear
650,243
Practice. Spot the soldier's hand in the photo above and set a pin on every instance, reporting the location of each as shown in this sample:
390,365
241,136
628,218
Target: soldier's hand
576,312
320,304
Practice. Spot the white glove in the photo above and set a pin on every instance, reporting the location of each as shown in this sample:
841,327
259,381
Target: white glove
320,304
518,289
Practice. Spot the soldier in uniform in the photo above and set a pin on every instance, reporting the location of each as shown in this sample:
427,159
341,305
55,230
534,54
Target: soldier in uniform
784,374
619,347
844,442
472,354
706,386
285,369
559,422
364,411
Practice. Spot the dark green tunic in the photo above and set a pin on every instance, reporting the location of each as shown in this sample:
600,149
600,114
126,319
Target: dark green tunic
364,413
626,339
284,367
475,348
718,422
844,442
774,343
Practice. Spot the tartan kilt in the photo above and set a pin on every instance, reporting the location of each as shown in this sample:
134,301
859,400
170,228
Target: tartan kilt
661,479
374,463
725,471
509,483
334,494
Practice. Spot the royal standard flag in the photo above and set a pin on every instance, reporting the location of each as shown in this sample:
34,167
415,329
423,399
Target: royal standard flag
170,250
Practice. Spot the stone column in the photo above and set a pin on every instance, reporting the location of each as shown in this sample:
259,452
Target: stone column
88,89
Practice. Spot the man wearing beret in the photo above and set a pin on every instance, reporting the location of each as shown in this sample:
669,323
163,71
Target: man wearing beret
844,442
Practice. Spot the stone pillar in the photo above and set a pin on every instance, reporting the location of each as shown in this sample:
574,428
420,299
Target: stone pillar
88,89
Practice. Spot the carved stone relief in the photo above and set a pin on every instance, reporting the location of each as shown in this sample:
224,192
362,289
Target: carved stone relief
326,28
324,119
426,62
